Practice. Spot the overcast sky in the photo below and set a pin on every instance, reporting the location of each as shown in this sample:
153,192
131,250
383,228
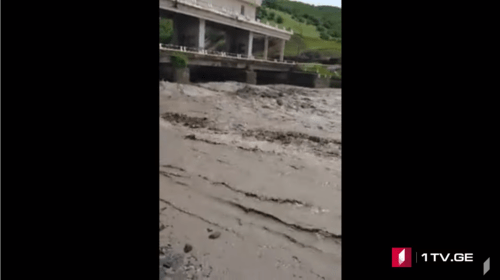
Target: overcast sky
335,3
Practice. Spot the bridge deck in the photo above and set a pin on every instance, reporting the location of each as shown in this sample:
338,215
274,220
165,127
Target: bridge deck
212,58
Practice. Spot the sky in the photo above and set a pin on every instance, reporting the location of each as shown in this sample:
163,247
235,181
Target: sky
335,3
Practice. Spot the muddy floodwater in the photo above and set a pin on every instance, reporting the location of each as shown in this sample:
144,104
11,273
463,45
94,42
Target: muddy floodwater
250,182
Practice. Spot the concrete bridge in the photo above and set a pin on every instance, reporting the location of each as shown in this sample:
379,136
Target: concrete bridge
204,66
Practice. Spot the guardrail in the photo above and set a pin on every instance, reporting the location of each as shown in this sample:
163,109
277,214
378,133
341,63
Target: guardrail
227,12
217,53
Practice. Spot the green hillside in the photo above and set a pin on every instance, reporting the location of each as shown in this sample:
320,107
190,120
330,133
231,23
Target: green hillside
317,30
299,28
326,17
306,38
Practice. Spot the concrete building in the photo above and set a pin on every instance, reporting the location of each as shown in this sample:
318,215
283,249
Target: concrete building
237,18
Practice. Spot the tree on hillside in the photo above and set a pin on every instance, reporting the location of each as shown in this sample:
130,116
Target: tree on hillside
261,13
279,19
333,33
271,16
315,21
324,36
269,3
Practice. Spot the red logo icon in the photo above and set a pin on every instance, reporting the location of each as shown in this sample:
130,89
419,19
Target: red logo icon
401,257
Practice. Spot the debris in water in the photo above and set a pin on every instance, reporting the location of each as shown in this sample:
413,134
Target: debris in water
187,248
214,235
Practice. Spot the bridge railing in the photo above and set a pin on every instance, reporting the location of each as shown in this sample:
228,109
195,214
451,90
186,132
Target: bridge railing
218,53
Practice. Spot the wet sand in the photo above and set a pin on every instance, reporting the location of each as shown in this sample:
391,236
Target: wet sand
250,180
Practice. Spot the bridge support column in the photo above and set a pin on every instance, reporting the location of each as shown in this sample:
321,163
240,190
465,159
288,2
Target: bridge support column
250,77
321,82
250,43
201,34
181,75
266,46
282,50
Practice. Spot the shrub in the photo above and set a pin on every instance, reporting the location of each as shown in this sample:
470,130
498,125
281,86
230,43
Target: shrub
271,16
279,19
337,76
262,13
324,36
333,33
312,54
320,29
179,60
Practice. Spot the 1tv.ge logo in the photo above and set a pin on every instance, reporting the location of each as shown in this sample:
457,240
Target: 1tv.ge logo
401,257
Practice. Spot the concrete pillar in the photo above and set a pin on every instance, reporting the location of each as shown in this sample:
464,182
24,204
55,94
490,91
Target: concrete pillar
266,46
250,44
201,34
250,77
181,75
321,82
282,50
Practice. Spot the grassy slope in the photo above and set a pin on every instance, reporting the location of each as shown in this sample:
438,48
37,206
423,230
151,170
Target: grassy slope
324,13
309,30
309,40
